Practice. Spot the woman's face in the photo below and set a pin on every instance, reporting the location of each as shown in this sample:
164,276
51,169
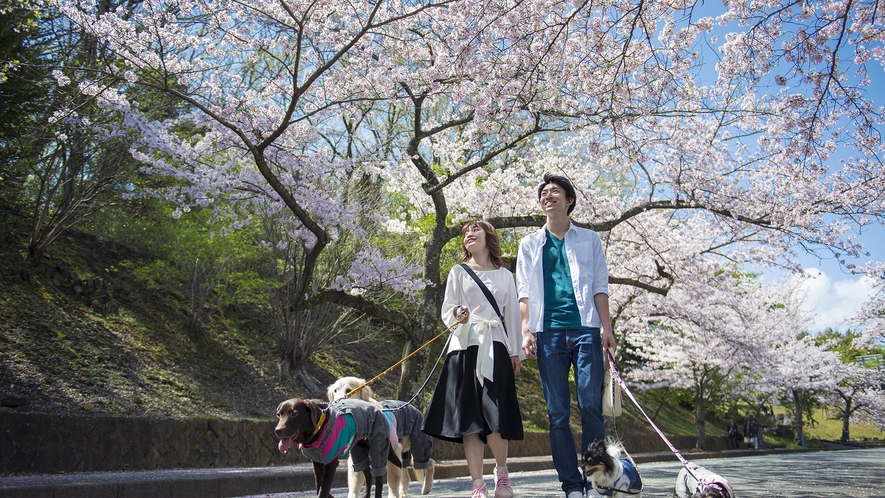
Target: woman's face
474,239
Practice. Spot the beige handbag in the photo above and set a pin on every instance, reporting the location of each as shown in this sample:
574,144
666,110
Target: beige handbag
611,395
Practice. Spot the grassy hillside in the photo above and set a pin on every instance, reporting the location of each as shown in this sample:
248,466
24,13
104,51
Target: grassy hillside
81,334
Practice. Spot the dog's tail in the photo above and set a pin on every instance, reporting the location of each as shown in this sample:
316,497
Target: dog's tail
614,448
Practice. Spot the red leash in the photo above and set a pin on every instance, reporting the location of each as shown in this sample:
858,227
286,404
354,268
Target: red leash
617,377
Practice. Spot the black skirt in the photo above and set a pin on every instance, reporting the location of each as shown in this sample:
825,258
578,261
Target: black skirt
461,406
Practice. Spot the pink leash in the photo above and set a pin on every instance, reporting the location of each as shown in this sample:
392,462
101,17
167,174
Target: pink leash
617,377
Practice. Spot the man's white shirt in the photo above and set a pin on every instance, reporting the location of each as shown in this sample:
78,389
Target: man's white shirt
587,266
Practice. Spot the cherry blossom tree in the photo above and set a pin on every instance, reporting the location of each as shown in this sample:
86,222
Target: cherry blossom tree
804,372
859,394
742,169
872,402
685,158
858,397
710,338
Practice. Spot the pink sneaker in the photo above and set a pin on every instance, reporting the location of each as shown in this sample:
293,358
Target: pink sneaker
502,487
480,492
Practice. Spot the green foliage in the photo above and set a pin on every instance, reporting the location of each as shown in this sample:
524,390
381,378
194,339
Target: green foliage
23,93
844,344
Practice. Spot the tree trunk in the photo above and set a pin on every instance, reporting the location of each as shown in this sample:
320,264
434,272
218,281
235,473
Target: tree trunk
311,388
414,371
286,371
428,316
700,420
846,417
799,401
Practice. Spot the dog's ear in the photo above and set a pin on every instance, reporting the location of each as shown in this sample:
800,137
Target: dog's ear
315,411
330,392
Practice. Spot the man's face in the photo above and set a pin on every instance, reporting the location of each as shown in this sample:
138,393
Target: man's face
553,200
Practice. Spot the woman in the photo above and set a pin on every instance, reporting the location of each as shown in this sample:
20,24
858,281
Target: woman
475,398
751,433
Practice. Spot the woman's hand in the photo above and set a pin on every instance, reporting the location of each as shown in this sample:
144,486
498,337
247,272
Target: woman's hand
462,313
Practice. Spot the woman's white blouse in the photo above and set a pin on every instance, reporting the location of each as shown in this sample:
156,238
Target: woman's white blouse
462,290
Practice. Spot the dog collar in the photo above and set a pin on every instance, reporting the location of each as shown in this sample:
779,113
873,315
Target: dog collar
319,425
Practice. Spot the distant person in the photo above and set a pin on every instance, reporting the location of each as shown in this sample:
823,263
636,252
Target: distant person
751,433
733,434
562,279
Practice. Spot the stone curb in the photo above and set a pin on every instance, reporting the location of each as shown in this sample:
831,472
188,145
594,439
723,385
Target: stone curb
232,482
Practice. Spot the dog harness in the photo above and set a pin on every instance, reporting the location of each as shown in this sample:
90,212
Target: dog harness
337,437
334,442
627,482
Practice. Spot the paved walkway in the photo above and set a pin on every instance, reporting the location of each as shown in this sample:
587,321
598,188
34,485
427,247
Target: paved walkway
850,473
770,474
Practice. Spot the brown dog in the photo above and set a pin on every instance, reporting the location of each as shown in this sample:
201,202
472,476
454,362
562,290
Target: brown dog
324,435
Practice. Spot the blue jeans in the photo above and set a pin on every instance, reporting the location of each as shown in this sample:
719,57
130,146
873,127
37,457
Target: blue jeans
559,350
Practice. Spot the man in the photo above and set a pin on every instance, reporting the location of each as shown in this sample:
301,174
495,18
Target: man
562,284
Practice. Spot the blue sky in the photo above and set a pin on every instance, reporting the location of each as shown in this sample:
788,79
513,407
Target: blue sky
833,294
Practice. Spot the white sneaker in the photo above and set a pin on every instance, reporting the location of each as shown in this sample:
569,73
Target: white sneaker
576,494
480,492
503,488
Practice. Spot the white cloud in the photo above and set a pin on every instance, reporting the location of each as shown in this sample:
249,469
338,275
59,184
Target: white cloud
833,302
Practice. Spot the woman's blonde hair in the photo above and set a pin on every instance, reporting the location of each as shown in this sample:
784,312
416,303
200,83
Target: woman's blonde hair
493,243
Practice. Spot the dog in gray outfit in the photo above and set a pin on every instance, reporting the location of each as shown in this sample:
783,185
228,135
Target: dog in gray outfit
711,485
408,421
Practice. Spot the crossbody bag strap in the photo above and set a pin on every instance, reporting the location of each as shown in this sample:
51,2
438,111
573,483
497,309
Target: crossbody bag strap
488,294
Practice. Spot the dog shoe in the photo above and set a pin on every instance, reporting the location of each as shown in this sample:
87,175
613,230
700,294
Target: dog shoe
480,492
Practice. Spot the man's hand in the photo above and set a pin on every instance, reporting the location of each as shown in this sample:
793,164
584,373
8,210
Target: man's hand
608,340
528,344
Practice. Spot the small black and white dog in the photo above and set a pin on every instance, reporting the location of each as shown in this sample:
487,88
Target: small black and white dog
710,485
610,470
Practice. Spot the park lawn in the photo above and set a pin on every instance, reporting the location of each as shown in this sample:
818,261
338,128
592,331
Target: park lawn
829,429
